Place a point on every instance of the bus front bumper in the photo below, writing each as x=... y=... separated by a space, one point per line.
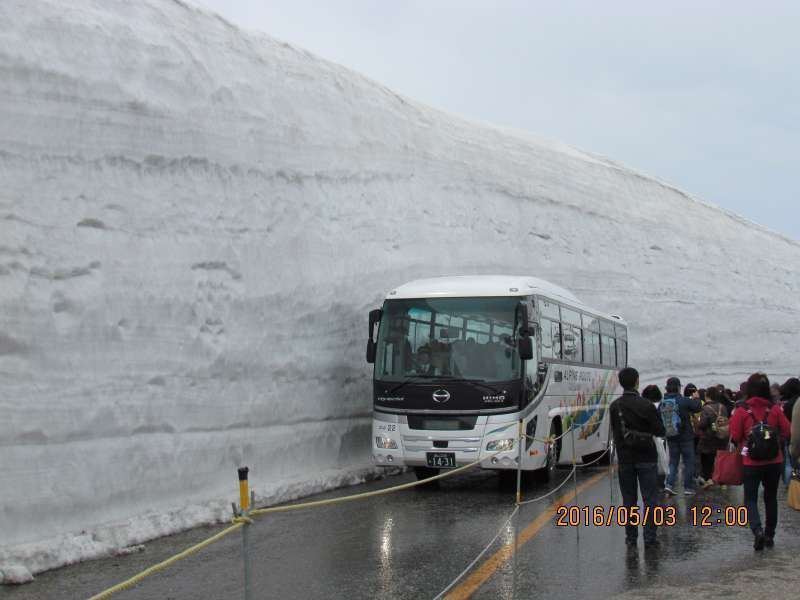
x=420 y=458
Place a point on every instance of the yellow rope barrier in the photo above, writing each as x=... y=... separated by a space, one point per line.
x=164 y=564
x=241 y=521
x=397 y=488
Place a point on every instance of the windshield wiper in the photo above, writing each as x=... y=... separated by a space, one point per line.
x=405 y=382
x=480 y=382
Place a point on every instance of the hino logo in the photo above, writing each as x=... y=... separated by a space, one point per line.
x=441 y=396
x=498 y=398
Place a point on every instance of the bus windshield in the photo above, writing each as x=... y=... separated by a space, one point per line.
x=464 y=338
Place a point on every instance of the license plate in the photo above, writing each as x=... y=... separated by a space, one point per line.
x=441 y=459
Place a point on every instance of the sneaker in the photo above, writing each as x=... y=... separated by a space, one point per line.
x=707 y=484
x=769 y=541
x=689 y=492
x=670 y=491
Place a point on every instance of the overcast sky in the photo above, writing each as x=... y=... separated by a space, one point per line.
x=703 y=95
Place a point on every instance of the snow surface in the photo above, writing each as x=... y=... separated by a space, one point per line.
x=195 y=220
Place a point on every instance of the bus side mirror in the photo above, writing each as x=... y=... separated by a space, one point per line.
x=525 y=347
x=523 y=315
x=525 y=341
x=374 y=318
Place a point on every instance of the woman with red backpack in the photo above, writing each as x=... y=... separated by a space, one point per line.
x=758 y=427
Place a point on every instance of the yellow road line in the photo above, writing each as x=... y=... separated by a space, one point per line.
x=478 y=577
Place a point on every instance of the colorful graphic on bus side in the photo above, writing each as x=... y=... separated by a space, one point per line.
x=589 y=407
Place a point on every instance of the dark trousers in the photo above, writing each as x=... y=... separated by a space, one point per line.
x=680 y=448
x=707 y=464
x=768 y=476
x=645 y=475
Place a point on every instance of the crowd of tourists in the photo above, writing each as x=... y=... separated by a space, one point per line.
x=749 y=437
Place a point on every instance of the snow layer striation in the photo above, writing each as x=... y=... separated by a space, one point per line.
x=195 y=220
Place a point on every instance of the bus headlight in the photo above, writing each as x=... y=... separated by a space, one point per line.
x=500 y=445
x=385 y=443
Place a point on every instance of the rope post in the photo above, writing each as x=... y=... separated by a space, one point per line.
x=611 y=452
x=519 y=460
x=575 y=472
x=244 y=511
x=522 y=442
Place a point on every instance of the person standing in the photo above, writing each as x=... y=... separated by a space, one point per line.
x=775 y=393
x=714 y=434
x=691 y=391
x=634 y=423
x=757 y=428
x=794 y=446
x=741 y=395
x=790 y=391
x=676 y=413
x=726 y=397
x=652 y=393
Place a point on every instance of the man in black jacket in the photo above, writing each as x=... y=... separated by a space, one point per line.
x=634 y=422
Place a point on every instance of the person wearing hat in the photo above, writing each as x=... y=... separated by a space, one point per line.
x=681 y=441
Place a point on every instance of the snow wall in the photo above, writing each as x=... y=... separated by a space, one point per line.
x=195 y=220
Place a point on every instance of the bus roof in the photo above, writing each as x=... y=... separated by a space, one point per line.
x=468 y=286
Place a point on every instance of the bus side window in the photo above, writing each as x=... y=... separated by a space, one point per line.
x=549 y=310
x=556 y=330
x=622 y=353
x=591 y=347
x=551 y=339
x=609 y=351
x=622 y=345
x=573 y=345
x=591 y=339
x=571 y=334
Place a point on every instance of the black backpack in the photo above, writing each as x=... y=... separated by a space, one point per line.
x=763 y=442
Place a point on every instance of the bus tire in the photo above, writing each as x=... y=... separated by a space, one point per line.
x=425 y=472
x=545 y=474
x=606 y=460
x=602 y=458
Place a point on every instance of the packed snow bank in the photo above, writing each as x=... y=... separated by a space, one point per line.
x=194 y=222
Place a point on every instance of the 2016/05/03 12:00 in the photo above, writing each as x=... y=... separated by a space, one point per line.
x=661 y=516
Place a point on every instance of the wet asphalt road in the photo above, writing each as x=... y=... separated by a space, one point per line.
x=413 y=544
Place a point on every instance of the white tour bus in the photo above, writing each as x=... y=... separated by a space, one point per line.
x=460 y=360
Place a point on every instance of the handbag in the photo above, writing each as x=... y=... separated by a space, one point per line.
x=793 y=495
x=728 y=467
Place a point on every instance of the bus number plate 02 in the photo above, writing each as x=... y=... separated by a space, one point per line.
x=441 y=459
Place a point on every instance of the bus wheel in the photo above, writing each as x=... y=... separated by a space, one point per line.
x=606 y=460
x=545 y=474
x=599 y=459
x=425 y=472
